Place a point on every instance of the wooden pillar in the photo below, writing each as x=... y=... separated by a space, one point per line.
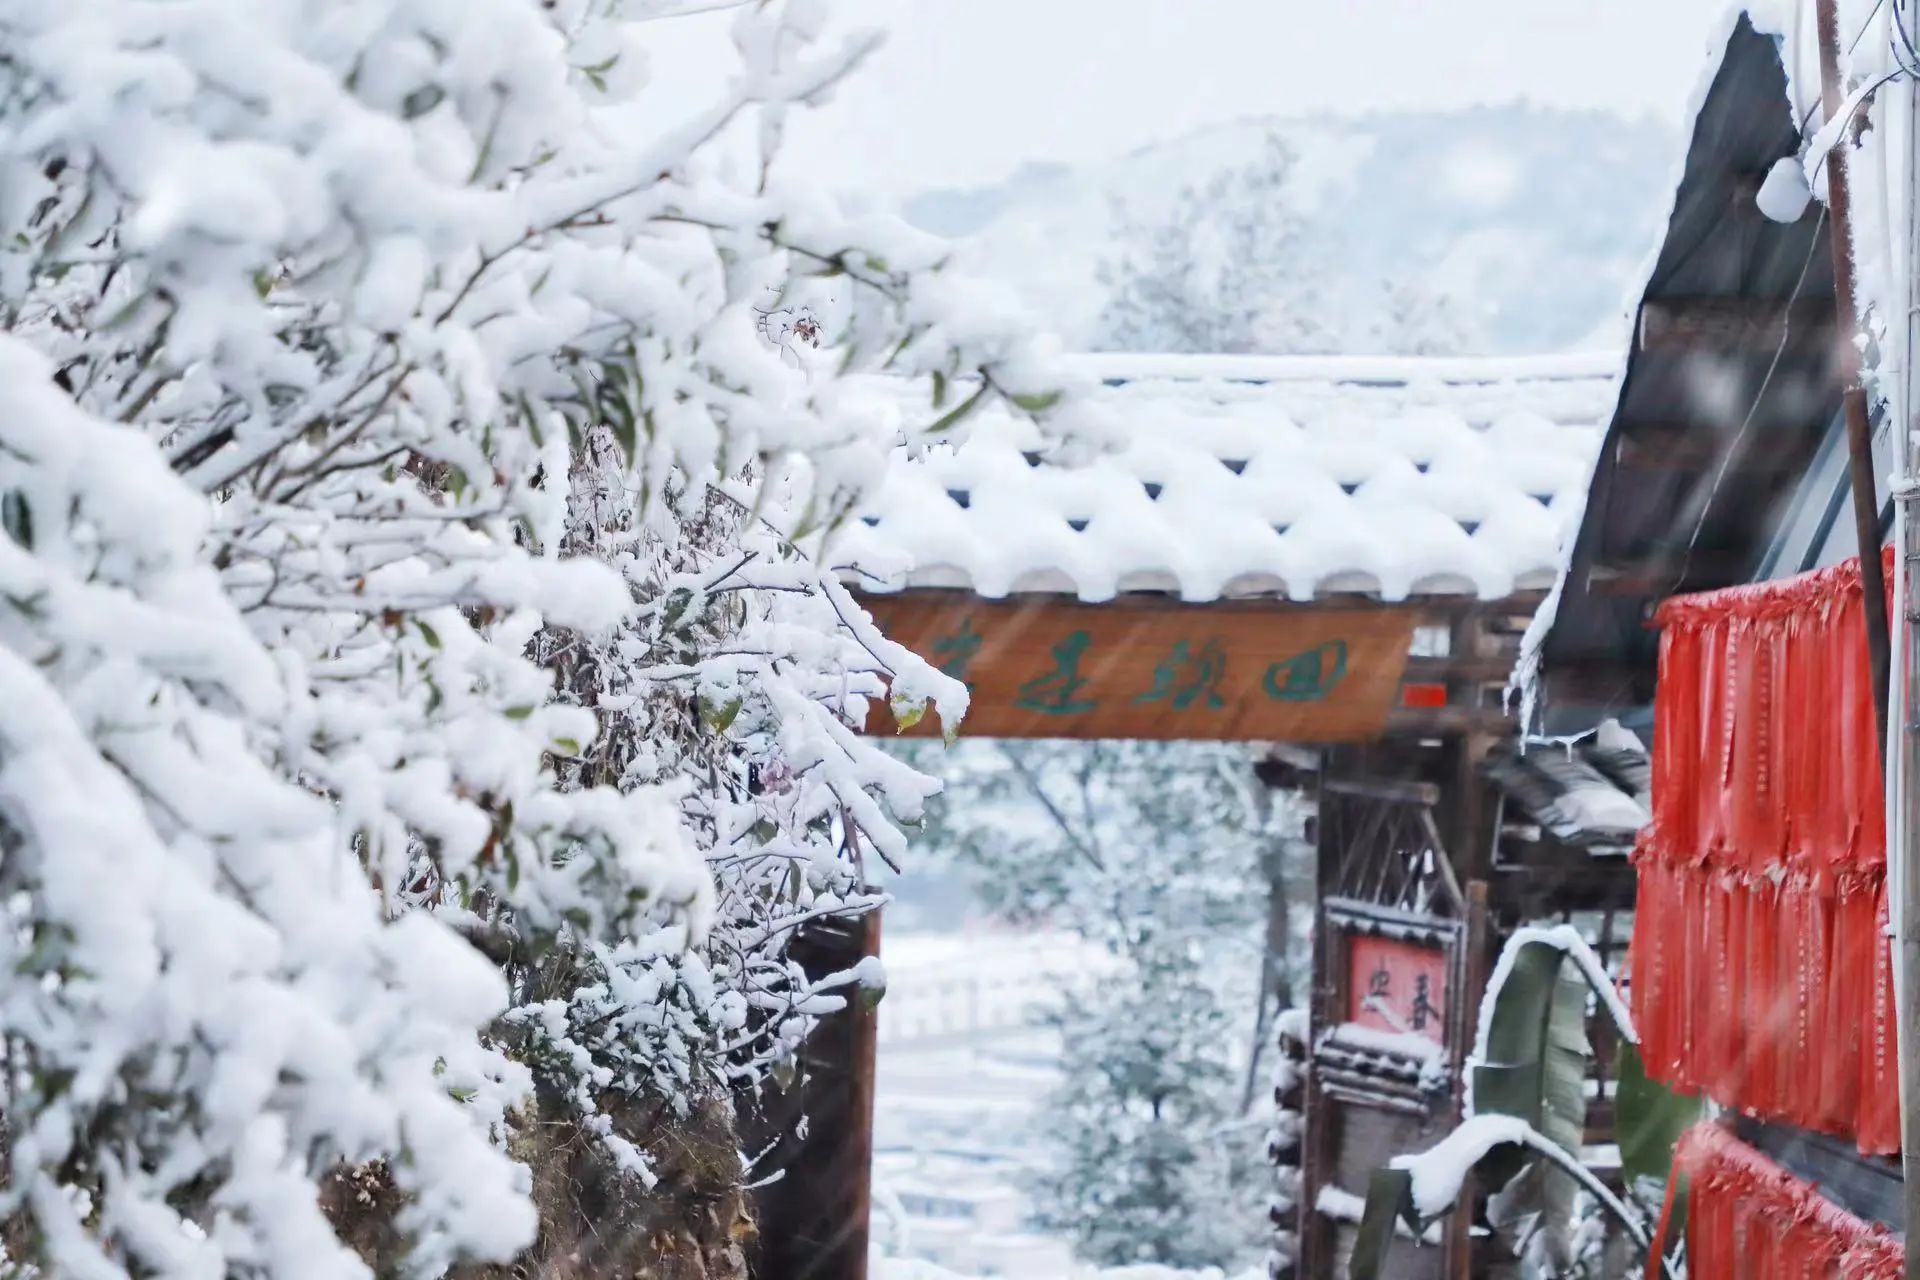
x=814 y=1217
x=1316 y=1155
x=1475 y=968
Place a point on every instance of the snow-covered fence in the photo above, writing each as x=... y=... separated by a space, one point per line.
x=961 y=986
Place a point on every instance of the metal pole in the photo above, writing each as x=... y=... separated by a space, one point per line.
x=1900 y=759
x=1866 y=505
x=1904 y=752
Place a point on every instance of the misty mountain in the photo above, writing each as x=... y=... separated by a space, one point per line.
x=1530 y=223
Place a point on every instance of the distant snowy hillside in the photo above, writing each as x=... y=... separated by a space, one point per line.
x=1529 y=222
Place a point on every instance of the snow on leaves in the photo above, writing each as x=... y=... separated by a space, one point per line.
x=414 y=543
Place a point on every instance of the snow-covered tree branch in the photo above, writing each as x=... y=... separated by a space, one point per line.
x=427 y=681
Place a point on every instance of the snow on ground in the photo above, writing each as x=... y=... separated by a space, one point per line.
x=961 y=1072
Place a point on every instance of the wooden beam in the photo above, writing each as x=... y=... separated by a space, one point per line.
x=1662 y=574
x=1660 y=449
x=1326 y=1002
x=1760 y=325
x=1422 y=670
x=1389 y=790
x=1442 y=721
x=1866 y=1186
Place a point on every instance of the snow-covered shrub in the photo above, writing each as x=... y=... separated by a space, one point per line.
x=199 y=995
x=413 y=533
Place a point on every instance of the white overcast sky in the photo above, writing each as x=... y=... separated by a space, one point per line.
x=967 y=90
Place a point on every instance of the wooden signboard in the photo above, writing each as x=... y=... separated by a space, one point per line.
x=1047 y=668
x=1398 y=986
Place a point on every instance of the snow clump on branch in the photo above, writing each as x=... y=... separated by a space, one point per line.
x=427 y=674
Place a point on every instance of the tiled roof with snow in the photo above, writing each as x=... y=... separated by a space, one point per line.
x=1296 y=477
x=1595 y=793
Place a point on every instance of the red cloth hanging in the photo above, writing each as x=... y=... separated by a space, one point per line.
x=1749 y=1219
x=1877 y=1123
x=1761 y=970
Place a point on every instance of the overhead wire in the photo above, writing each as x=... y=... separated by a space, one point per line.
x=1801 y=129
x=1908 y=66
x=1753 y=410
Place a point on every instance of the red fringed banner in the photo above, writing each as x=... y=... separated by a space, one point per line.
x=1761 y=973
x=1748 y=1218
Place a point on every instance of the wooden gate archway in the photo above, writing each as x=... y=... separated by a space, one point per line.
x=1338 y=554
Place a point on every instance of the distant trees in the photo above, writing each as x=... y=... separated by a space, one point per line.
x=1221 y=271
x=1228 y=269
x=1159 y=852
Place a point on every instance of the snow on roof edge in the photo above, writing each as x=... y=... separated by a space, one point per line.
x=1523 y=686
x=1231 y=477
x=1130 y=366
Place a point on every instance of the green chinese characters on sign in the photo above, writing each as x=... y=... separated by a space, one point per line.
x=1054 y=694
x=1185 y=677
x=1309 y=676
x=954 y=653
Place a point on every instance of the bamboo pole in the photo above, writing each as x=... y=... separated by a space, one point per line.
x=1866 y=504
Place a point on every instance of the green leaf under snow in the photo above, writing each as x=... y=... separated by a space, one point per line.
x=16 y=513
x=1389 y=1199
x=720 y=719
x=952 y=417
x=422 y=100
x=1037 y=402
x=677 y=601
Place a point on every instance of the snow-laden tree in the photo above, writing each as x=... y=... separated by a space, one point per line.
x=1231 y=267
x=1148 y=1160
x=1161 y=853
x=200 y=996
x=1222 y=271
x=417 y=540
